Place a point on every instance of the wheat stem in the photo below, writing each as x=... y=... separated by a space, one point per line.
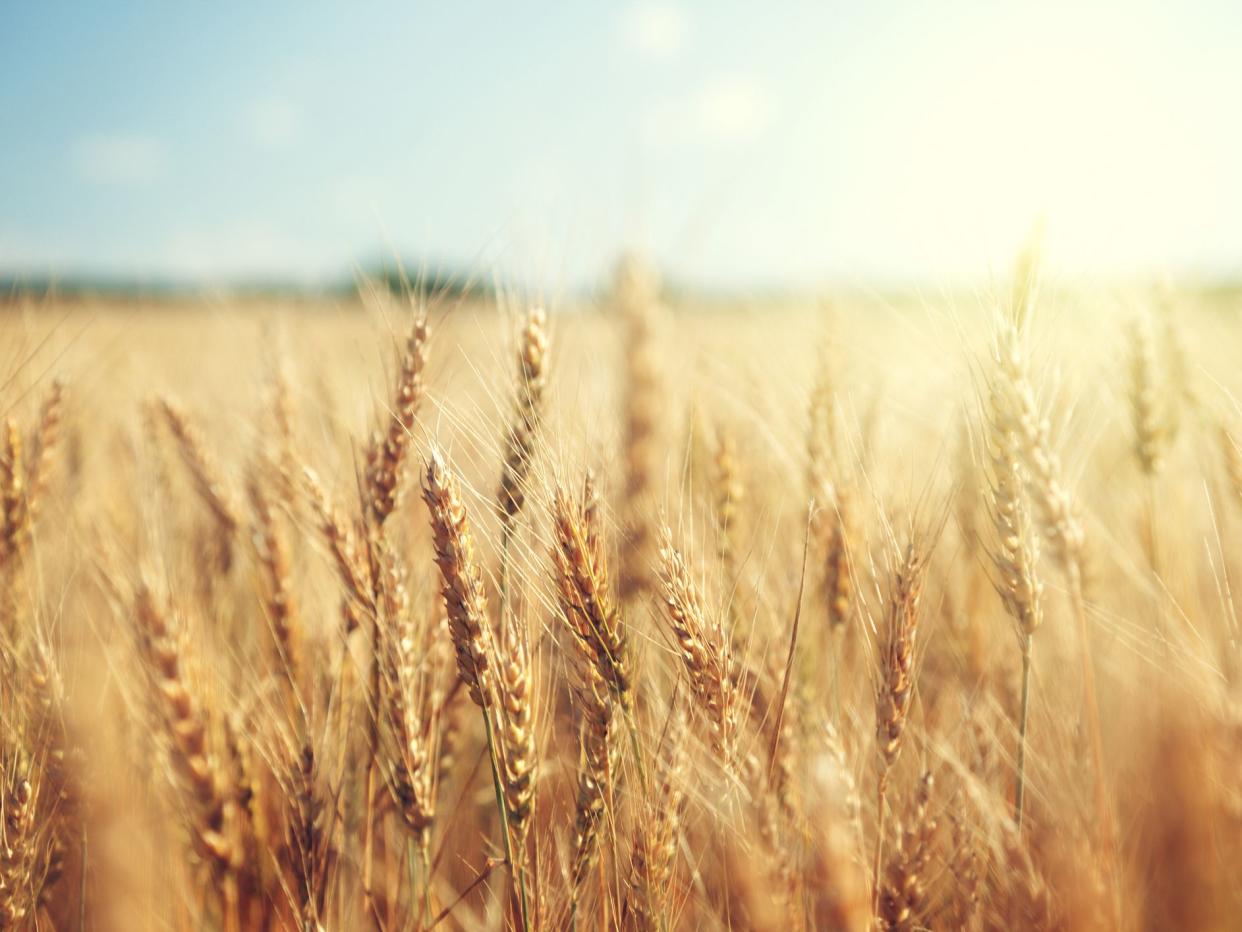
x=1020 y=788
x=881 y=793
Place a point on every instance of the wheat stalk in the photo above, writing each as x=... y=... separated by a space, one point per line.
x=464 y=598
x=895 y=689
x=597 y=761
x=527 y=413
x=272 y=553
x=635 y=293
x=43 y=443
x=705 y=648
x=204 y=472
x=214 y=812
x=387 y=453
x=581 y=576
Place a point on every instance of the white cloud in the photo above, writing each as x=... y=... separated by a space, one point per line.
x=655 y=28
x=119 y=158
x=272 y=122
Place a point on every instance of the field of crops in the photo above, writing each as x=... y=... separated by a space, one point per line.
x=908 y=613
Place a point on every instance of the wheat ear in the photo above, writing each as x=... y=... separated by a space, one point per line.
x=704 y=646
x=895 y=689
x=527 y=414
x=1014 y=557
x=388 y=451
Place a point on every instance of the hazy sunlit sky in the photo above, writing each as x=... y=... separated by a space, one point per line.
x=742 y=144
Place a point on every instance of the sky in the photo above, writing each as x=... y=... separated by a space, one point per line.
x=741 y=145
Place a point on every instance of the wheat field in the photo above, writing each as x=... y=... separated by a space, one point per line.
x=413 y=613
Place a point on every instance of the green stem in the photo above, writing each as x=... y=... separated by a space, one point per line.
x=504 y=815
x=636 y=744
x=521 y=873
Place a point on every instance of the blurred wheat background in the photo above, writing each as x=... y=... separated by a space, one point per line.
x=779 y=642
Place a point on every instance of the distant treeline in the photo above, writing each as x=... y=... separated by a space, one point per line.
x=439 y=282
x=442 y=283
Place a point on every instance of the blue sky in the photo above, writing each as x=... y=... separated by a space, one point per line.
x=742 y=144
